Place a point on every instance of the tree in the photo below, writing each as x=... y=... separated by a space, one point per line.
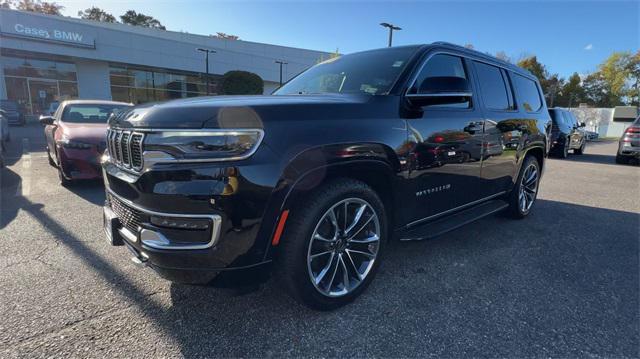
x=131 y=17
x=595 y=89
x=96 y=14
x=572 y=92
x=501 y=55
x=224 y=36
x=536 y=68
x=634 y=72
x=551 y=84
x=242 y=83
x=615 y=74
x=43 y=7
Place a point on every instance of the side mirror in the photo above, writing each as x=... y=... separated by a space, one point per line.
x=46 y=120
x=440 y=91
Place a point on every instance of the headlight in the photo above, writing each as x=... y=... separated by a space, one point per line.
x=203 y=145
x=68 y=143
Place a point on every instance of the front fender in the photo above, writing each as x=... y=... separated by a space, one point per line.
x=371 y=163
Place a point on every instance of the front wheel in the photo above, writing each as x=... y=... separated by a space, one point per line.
x=525 y=192
x=332 y=244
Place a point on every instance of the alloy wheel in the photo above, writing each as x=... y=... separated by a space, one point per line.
x=528 y=188
x=343 y=247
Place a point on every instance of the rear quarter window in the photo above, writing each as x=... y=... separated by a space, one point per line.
x=527 y=93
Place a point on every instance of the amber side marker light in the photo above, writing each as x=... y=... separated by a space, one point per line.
x=280 y=227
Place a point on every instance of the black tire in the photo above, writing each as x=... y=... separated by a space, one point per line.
x=579 y=151
x=564 y=152
x=622 y=160
x=515 y=209
x=63 y=180
x=51 y=163
x=292 y=266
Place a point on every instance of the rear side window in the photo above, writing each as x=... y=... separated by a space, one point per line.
x=527 y=93
x=493 y=86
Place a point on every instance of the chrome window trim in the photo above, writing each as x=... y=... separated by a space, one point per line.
x=216 y=221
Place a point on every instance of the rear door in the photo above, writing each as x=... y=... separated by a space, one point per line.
x=447 y=155
x=503 y=130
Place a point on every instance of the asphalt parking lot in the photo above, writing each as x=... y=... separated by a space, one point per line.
x=562 y=283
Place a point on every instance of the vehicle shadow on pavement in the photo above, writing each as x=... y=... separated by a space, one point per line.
x=90 y=190
x=593 y=158
x=496 y=287
x=487 y=279
x=9 y=183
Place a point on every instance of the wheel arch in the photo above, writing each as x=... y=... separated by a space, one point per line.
x=371 y=164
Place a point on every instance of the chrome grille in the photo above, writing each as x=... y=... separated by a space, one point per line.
x=129 y=217
x=125 y=148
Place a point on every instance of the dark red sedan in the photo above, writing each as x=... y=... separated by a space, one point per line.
x=75 y=137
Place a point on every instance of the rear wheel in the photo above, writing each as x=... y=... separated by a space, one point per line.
x=525 y=192
x=564 y=153
x=332 y=244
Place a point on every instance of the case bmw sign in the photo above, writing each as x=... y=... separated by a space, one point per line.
x=43 y=33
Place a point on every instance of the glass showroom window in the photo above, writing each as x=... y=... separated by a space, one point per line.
x=139 y=85
x=36 y=84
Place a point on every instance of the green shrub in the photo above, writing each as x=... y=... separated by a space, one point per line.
x=242 y=83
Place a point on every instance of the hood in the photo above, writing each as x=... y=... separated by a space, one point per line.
x=87 y=132
x=232 y=111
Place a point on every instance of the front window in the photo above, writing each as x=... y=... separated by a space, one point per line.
x=89 y=113
x=371 y=72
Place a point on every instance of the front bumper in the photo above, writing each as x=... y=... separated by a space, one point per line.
x=232 y=197
x=80 y=164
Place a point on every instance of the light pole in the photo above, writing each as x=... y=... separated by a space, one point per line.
x=391 y=28
x=281 y=63
x=207 y=52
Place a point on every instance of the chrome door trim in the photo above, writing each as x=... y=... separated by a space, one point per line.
x=454 y=209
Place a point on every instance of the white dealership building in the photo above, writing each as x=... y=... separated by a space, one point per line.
x=47 y=58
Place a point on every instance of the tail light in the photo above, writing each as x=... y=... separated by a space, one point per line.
x=631 y=132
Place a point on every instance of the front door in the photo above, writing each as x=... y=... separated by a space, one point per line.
x=42 y=93
x=446 y=162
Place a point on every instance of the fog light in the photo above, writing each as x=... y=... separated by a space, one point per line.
x=180 y=223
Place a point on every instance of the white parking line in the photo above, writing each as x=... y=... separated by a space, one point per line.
x=24 y=188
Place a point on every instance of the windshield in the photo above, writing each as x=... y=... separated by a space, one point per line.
x=89 y=113
x=370 y=72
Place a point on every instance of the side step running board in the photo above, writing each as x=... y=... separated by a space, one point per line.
x=451 y=222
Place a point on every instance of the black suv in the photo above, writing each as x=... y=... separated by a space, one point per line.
x=566 y=133
x=400 y=143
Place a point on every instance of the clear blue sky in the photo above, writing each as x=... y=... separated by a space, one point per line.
x=566 y=36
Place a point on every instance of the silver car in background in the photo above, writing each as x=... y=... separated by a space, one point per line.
x=629 y=143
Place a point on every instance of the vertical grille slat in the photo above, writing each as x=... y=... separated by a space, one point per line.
x=125 y=148
x=136 y=151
